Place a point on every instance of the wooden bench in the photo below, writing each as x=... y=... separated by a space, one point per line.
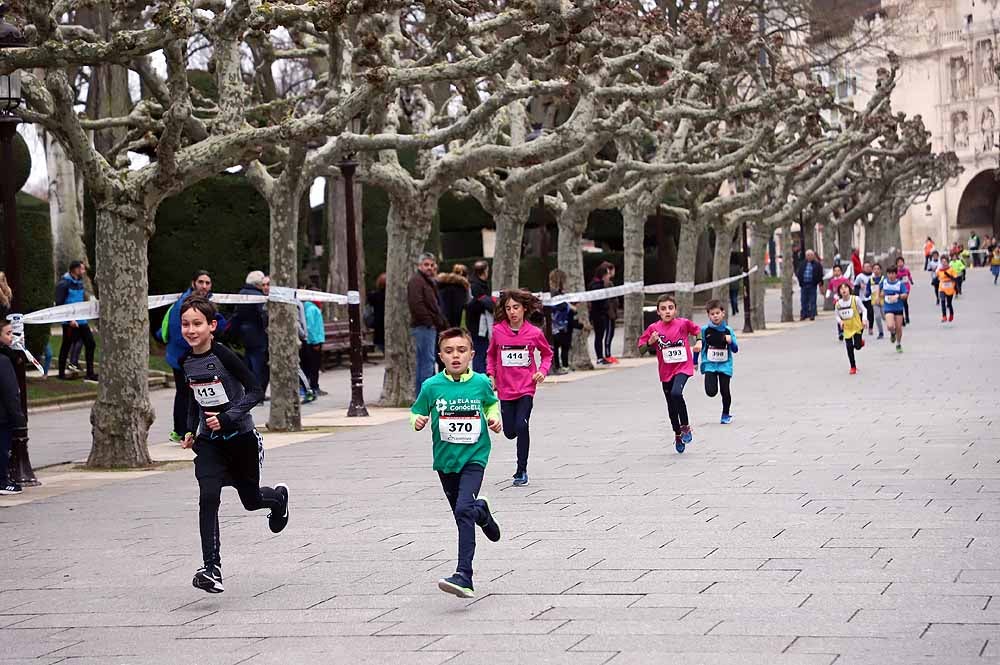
x=338 y=342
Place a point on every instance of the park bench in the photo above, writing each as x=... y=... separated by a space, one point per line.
x=338 y=342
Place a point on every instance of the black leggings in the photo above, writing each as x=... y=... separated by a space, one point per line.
x=233 y=462
x=871 y=314
x=70 y=336
x=516 y=413
x=947 y=304
x=853 y=343
x=609 y=334
x=600 y=329
x=673 y=390
x=561 y=343
x=716 y=382
x=906 y=311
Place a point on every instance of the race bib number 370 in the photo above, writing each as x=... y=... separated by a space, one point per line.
x=462 y=427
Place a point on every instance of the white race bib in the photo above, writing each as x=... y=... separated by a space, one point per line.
x=845 y=314
x=461 y=428
x=673 y=355
x=947 y=286
x=717 y=355
x=210 y=393
x=891 y=299
x=515 y=356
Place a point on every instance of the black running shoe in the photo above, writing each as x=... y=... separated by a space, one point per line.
x=457 y=585
x=490 y=528
x=279 y=521
x=208 y=578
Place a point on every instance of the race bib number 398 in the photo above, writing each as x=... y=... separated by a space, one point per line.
x=717 y=355
x=673 y=355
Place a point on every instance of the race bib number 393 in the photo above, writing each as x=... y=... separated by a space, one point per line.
x=673 y=355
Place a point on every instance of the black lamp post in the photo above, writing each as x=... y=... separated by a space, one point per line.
x=10 y=98
x=357 y=407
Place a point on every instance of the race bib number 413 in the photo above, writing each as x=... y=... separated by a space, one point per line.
x=210 y=393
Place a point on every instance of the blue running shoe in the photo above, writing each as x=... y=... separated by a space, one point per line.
x=686 y=435
x=457 y=585
x=679 y=444
x=521 y=479
x=726 y=419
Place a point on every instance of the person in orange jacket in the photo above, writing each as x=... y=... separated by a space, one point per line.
x=947 y=286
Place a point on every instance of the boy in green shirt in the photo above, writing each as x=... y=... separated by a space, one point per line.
x=456 y=402
x=958 y=265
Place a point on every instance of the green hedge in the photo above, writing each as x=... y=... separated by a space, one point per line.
x=22 y=162
x=34 y=243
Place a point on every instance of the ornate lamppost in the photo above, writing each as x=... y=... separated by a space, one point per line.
x=357 y=407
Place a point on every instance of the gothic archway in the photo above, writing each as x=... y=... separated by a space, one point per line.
x=980 y=204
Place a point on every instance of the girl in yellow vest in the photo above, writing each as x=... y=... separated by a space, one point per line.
x=947 y=280
x=852 y=315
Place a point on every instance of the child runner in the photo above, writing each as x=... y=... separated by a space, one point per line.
x=833 y=289
x=958 y=266
x=904 y=275
x=995 y=264
x=455 y=402
x=511 y=365
x=933 y=264
x=669 y=338
x=947 y=284
x=878 y=298
x=228 y=448
x=719 y=344
x=863 y=289
x=853 y=316
x=11 y=415
x=896 y=291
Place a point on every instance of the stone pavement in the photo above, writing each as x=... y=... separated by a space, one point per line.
x=840 y=519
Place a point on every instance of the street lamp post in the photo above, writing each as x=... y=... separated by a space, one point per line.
x=747 y=325
x=10 y=98
x=357 y=407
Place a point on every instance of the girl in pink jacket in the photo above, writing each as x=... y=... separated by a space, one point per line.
x=512 y=367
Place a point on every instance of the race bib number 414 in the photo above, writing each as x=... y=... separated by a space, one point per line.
x=515 y=356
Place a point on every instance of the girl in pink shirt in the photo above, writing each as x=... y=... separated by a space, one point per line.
x=669 y=338
x=512 y=367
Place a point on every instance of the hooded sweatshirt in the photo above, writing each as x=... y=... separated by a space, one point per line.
x=510 y=359
x=674 y=352
x=70 y=291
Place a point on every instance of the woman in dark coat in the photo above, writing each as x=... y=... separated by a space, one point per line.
x=454 y=293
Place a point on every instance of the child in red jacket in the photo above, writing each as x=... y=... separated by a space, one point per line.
x=514 y=369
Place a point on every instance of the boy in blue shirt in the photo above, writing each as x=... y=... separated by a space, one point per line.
x=894 y=291
x=718 y=346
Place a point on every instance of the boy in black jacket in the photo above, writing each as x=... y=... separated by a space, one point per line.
x=11 y=415
x=220 y=428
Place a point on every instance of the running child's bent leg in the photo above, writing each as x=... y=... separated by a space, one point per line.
x=245 y=457
x=712 y=383
x=677 y=396
x=849 y=343
x=462 y=490
x=516 y=416
x=675 y=423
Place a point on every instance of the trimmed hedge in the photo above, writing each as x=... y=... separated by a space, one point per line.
x=34 y=243
x=22 y=162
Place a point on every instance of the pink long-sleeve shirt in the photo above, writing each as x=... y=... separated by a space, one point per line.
x=510 y=359
x=672 y=360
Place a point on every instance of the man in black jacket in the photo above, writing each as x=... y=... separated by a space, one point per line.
x=479 y=314
x=810 y=276
x=11 y=415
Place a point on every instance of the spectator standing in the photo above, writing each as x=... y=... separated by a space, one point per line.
x=69 y=291
x=928 y=250
x=455 y=294
x=599 y=313
x=810 y=276
x=311 y=351
x=974 y=243
x=613 y=308
x=11 y=415
x=479 y=313
x=250 y=324
x=856 y=264
x=177 y=346
x=375 y=319
x=426 y=319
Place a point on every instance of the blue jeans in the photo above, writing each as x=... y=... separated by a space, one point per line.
x=425 y=339
x=462 y=490
x=808 y=302
x=515 y=414
x=480 y=345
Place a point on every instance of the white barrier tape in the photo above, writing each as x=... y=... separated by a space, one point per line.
x=707 y=286
x=91 y=309
x=353 y=298
x=668 y=287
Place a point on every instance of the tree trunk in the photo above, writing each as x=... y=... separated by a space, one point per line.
x=282 y=332
x=510 y=223
x=758 y=287
x=721 y=261
x=687 y=252
x=634 y=219
x=830 y=251
x=122 y=414
x=409 y=223
x=570 y=257
x=787 y=274
x=65 y=208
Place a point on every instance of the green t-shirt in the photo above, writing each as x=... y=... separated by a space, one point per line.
x=458 y=411
x=958 y=266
